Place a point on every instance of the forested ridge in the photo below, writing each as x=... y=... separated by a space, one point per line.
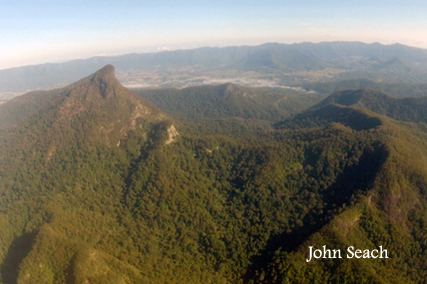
x=99 y=186
x=229 y=101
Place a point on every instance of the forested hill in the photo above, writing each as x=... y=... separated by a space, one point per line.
x=406 y=109
x=94 y=100
x=392 y=213
x=230 y=101
x=98 y=186
x=355 y=108
x=397 y=90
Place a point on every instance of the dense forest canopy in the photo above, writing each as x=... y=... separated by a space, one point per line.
x=209 y=184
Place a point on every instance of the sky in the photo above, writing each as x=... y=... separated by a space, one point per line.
x=39 y=31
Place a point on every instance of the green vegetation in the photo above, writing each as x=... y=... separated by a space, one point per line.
x=229 y=101
x=95 y=189
x=397 y=90
x=406 y=109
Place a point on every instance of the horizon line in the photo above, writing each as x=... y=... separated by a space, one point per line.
x=119 y=54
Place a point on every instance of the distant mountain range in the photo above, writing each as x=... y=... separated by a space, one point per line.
x=269 y=64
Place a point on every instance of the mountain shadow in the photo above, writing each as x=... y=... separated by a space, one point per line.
x=354 y=180
x=18 y=250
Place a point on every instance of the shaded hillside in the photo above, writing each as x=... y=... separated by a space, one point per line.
x=392 y=214
x=406 y=109
x=328 y=114
x=229 y=101
x=354 y=108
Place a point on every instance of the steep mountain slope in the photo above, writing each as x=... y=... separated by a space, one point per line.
x=392 y=213
x=60 y=134
x=98 y=94
x=97 y=186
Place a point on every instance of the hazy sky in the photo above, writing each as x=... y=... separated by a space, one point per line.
x=48 y=31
